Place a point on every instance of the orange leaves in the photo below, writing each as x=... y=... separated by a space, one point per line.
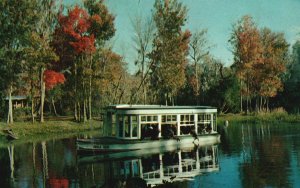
x=260 y=58
x=53 y=78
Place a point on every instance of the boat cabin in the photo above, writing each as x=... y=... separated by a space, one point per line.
x=156 y=121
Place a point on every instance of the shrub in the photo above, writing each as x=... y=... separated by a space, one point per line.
x=21 y=114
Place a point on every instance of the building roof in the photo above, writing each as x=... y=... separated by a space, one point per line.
x=16 y=98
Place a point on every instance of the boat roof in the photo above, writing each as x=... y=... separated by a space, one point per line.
x=158 y=109
x=145 y=107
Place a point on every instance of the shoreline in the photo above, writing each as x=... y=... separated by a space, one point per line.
x=28 y=132
x=259 y=118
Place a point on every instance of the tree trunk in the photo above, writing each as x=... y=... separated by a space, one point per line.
x=32 y=110
x=261 y=103
x=241 y=97
x=268 y=109
x=90 y=92
x=75 y=112
x=32 y=101
x=42 y=95
x=90 y=99
x=53 y=104
x=76 y=117
x=79 y=111
x=84 y=111
x=10 y=119
x=197 y=84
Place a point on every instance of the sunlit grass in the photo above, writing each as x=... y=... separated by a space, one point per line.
x=275 y=116
x=28 y=132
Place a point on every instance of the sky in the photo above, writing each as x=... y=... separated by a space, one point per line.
x=217 y=16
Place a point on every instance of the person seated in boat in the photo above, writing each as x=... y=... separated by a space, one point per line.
x=208 y=128
x=154 y=132
x=144 y=131
x=202 y=129
x=169 y=133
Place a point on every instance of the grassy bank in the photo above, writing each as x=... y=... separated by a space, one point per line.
x=272 y=117
x=28 y=132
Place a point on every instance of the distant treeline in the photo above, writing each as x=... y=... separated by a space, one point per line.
x=61 y=60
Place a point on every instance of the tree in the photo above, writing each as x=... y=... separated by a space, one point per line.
x=38 y=56
x=72 y=31
x=170 y=48
x=245 y=40
x=102 y=27
x=291 y=91
x=269 y=73
x=198 y=50
x=17 y=18
x=260 y=61
x=110 y=77
x=77 y=37
x=143 y=35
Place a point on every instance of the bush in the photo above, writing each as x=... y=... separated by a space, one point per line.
x=21 y=114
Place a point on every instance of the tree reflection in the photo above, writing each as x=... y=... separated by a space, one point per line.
x=268 y=160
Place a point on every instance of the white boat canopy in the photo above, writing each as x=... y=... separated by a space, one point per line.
x=143 y=121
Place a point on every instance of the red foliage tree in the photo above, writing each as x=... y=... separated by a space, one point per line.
x=75 y=26
x=52 y=78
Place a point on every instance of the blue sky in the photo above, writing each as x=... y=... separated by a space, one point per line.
x=217 y=16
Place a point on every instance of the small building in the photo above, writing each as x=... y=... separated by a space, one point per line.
x=18 y=101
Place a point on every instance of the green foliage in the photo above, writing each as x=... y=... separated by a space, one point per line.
x=170 y=49
x=22 y=114
x=291 y=91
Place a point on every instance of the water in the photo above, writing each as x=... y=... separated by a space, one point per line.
x=248 y=156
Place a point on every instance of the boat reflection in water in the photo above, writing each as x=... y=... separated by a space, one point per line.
x=158 y=167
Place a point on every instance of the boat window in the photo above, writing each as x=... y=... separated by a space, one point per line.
x=187 y=119
x=203 y=118
x=143 y=118
x=205 y=123
x=113 y=133
x=149 y=118
x=149 y=130
x=127 y=126
x=168 y=131
x=168 y=118
x=134 y=125
x=186 y=129
x=187 y=124
x=120 y=119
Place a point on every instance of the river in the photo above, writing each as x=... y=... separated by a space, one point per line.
x=262 y=155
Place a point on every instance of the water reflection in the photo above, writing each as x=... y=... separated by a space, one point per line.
x=248 y=156
x=264 y=154
x=44 y=164
x=56 y=164
x=152 y=169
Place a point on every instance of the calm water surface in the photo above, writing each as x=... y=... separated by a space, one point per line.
x=248 y=156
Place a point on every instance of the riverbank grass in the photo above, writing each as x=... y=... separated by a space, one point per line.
x=276 y=116
x=27 y=130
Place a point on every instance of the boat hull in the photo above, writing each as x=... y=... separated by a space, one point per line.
x=105 y=144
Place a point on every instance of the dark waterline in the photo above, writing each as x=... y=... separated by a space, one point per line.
x=248 y=156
